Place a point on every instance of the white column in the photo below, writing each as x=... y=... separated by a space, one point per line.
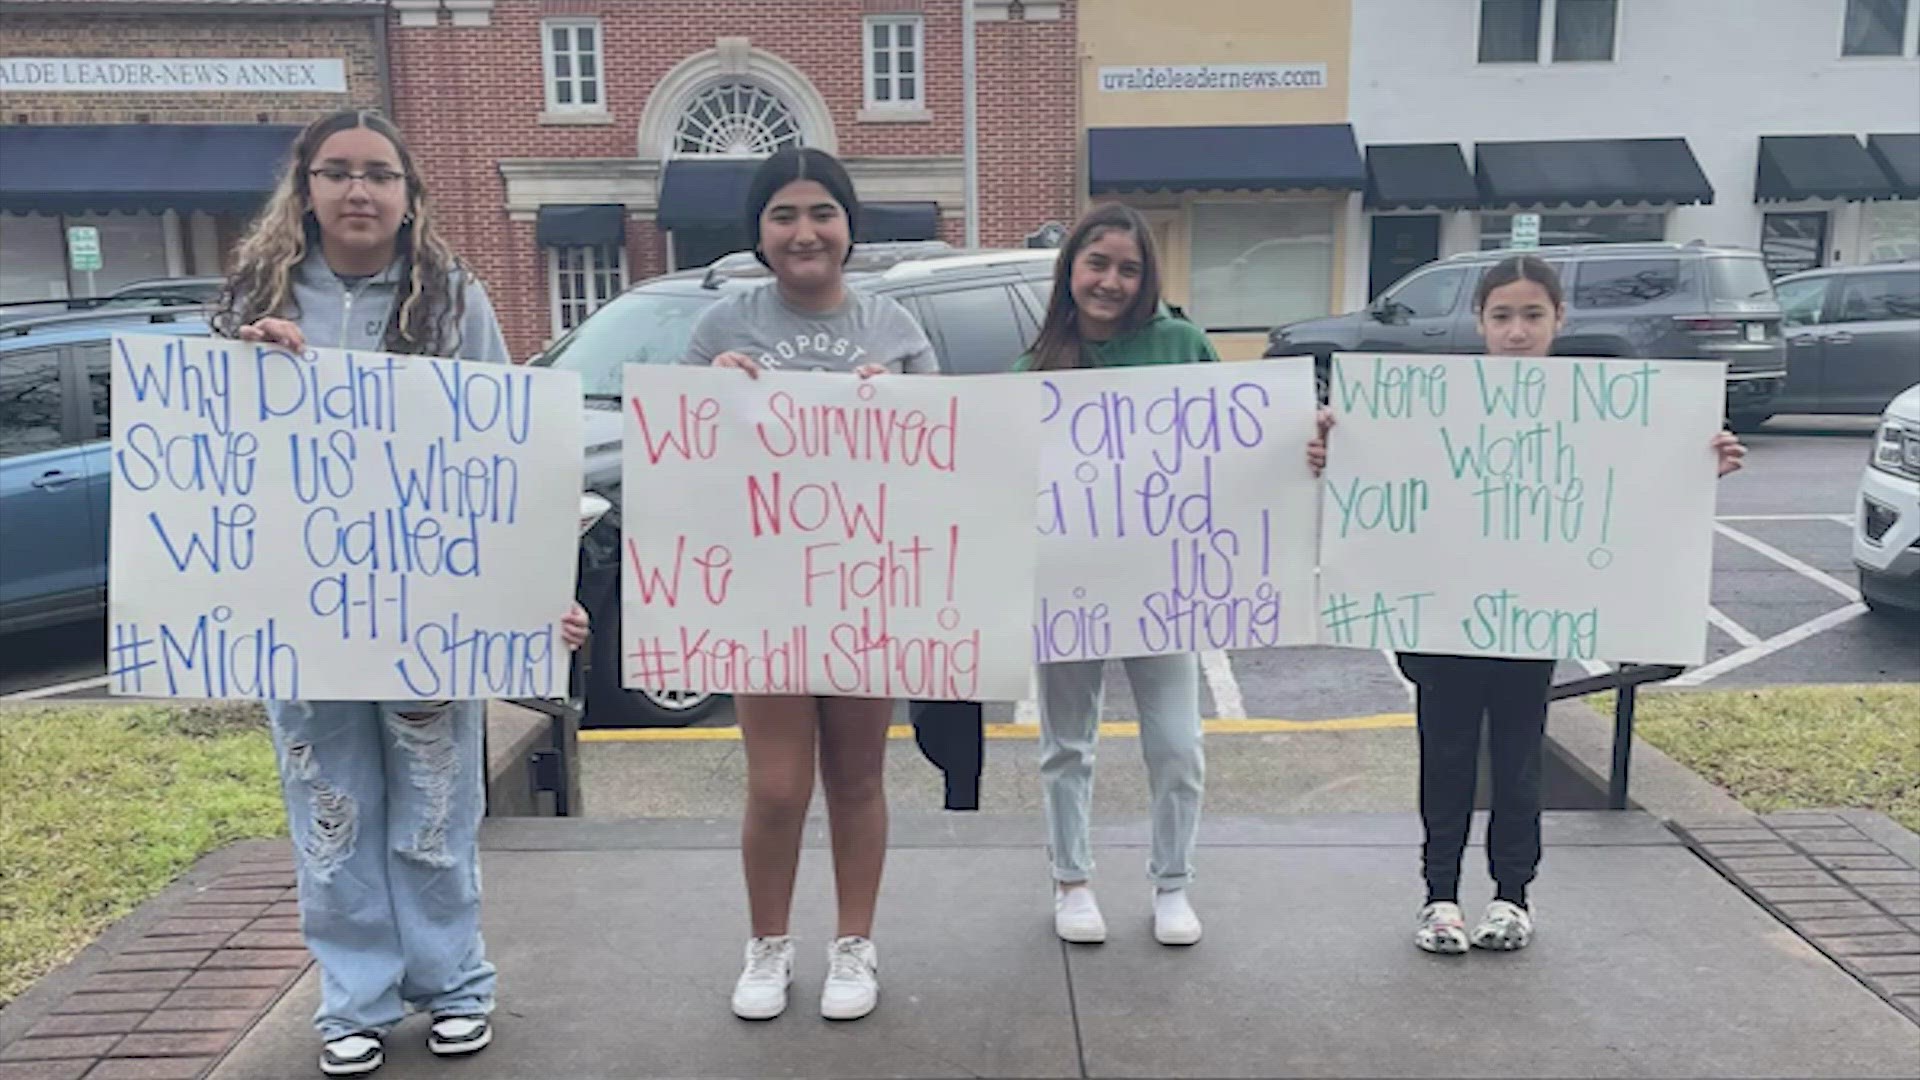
x=172 y=238
x=203 y=242
x=1357 y=227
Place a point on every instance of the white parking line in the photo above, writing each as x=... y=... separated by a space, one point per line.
x=1405 y=683
x=56 y=690
x=1747 y=638
x=1227 y=702
x=1841 y=518
x=1770 y=646
x=1813 y=574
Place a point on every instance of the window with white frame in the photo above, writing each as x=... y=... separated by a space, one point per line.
x=571 y=55
x=1547 y=31
x=581 y=279
x=1879 y=28
x=894 y=70
x=1256 y=265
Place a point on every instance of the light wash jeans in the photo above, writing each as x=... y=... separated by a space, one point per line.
x=1167 y=689
x=384 y=800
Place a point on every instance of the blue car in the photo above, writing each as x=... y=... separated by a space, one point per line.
x=55 y=375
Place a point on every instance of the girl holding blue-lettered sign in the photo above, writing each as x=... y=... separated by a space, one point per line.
x=1520 y=308
x=384 y=798
x=1106 y=311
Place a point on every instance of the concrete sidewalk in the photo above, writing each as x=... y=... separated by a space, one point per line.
x=618 y=943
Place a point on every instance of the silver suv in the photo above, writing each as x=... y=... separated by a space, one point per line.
x=1665 y=301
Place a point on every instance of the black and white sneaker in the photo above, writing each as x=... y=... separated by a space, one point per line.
x=352 y=1055
x=451 y=1036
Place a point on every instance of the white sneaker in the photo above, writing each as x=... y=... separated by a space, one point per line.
x=761 y=993
x=352 y=1055
x=1076 y=916
x=853 y=979
x=1504 y=928
x=1442 y=929
x=1174 y=922
x=451 y=1036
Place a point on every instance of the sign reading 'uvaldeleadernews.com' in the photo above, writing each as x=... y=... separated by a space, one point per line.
x=804 y=533
x=1521 y=507
x=338 y=525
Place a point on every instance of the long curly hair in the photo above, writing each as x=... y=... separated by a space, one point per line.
x=432 y=300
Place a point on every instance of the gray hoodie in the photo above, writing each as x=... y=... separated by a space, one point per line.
x=334 y=315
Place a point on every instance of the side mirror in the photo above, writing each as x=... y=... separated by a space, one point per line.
x=1382 y=310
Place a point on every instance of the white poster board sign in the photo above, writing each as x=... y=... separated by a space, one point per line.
x=1519 y=507
x=338 y=525
x=807 y=533
x=1176 y=510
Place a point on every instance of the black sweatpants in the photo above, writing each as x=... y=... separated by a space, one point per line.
x=1454 y=693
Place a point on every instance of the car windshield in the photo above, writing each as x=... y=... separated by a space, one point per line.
x=1740 y=283
x=634 y=328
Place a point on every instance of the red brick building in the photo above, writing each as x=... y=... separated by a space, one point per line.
x=159 y=126
x=574 y=146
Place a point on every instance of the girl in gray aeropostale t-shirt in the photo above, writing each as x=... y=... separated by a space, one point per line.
x=863 y=330
x=799 y=215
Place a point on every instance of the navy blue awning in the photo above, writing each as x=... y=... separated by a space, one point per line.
x=1269 y=157
x=76 y=169
x=1412 y=176
x=1899 y=156
x=880 y=222
x=1575 y=172
x=595 y=224
x=1818 y=167
x=697 y=194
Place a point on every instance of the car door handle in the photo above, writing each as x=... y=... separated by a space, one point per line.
x=1805 y=342
x=1838 y=339
x=1433 y=331
x=53 y=480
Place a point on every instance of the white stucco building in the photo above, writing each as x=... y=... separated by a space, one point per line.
x=1635 y=120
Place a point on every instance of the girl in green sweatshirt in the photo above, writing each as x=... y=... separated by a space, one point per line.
x=1106 y=312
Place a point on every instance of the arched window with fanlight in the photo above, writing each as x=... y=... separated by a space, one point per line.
x=719 y=137
x=736 y=118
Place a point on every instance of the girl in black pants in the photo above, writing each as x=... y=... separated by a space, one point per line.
x=1520 y=307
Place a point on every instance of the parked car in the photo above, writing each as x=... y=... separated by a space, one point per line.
x=1886 y=527
x=980 y=309
x=181 y=291
x=55 y=466
x=1853 y=337
x=149 y=292
x=1665 y=301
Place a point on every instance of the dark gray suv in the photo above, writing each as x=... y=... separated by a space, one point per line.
x=1666 y=301
x=1853 y=337
x=980 y=309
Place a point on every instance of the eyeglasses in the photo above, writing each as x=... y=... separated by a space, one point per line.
x=375 y=179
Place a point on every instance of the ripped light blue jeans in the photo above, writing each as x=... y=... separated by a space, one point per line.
x=384 y=800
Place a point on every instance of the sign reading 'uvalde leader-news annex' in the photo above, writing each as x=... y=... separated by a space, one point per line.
x=70 y=74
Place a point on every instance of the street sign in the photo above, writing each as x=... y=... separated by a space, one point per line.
x=1526 y=232
x=83 y=248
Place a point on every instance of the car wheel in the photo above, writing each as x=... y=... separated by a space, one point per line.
x=1747 y=422
x=611 y=705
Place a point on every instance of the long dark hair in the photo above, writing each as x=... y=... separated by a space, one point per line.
x=1058 y=345
x=799 y=163
x=431 y=303
x=1520 y=268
